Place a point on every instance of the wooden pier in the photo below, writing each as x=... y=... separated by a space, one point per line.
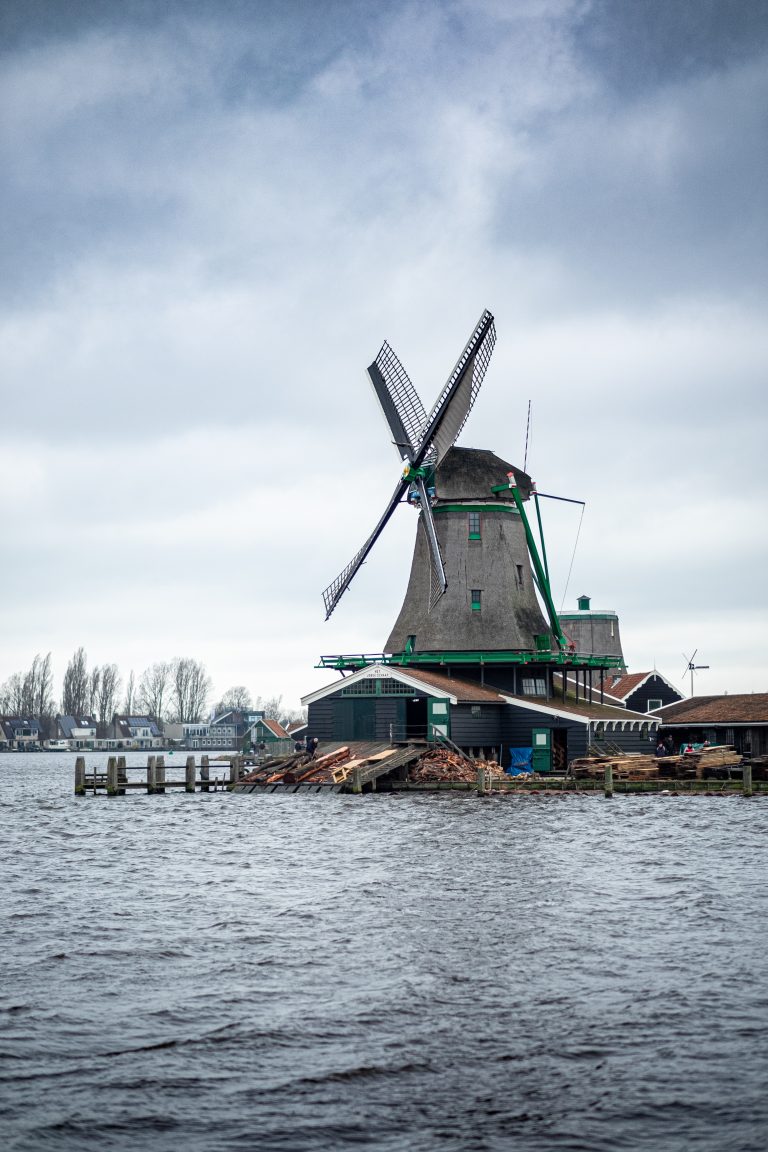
x=216 y=775
x=152 y=777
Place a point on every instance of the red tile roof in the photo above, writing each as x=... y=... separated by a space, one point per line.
x=624 y=685
x=276 y=728
x=752 y=708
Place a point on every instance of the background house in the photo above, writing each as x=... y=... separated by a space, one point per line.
x=642 y=691
x=270 y=733
x=135 y=732
x=78 y=731
x=22 y=733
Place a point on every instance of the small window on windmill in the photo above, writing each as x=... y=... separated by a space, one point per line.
x=474 y=525
x=476 y=710
x=519 y=575
x=476 y=597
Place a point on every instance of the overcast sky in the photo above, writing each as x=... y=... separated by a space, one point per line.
x=214 y=211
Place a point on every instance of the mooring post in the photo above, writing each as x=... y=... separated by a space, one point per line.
x=190 y=774
x=80 y=776
x=160 y=774
x=357 y=786
x=122 y=775
x=609 y=779
x=234 y=770
x=151 y=775
x=746 y=786
x=480 y=779
x=205 y=774
x=112 y=776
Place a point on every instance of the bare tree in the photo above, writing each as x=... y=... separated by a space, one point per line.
x=94 y=682
x=293 y=716
x=274 y=709
x=237 y=699
x=105 y=699
x=130 y=692
x=271 y=706
x=44 y=705
x=190 y=685
x=76 y=688
x=154 y=689
x=12 y=695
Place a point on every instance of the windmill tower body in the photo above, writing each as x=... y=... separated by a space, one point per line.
x=489 y=601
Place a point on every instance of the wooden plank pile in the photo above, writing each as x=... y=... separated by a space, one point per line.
x=638 y=766
x=716 y=756
x=631 y=766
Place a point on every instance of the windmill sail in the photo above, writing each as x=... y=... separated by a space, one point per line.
x=338 y=587
x=438 y=581
x=400 y=402
x=454 y=403
x=421 y=440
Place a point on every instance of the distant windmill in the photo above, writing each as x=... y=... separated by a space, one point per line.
x=692 y=667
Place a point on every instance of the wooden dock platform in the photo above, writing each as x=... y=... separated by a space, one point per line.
x=152 y=777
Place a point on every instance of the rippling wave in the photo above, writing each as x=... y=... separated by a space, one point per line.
x=219 y=971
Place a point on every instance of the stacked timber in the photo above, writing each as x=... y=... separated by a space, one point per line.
x=638 y=766
x=716 y=756
x=632 y=766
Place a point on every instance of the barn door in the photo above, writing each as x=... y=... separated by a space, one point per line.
x=542 y=749
x=438 y=717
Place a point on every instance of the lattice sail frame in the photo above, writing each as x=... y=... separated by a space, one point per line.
x=403 y=410
x=479 y=348
x=393 y=386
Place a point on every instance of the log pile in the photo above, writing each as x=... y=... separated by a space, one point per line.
x=441 y=765
x=317 y=770
x=278 y=764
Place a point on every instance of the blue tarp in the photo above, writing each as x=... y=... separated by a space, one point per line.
x=521 y=760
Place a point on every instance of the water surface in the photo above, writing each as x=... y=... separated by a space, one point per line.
x=387 y=972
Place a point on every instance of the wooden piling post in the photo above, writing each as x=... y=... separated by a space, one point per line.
x=151 y=775
x=112 y=776
x=122 y=776
x=160 y=774
x=80 y=776
x=357 y=786
x=234 y=769
x=480 y=779
x=746 y=785
x=190 y=774
x=205 y=774
x=609 y=779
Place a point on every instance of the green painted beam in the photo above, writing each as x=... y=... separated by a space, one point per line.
x=405 y=659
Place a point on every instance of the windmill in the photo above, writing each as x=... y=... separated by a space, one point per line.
x=692 y=667
x=470 y=586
